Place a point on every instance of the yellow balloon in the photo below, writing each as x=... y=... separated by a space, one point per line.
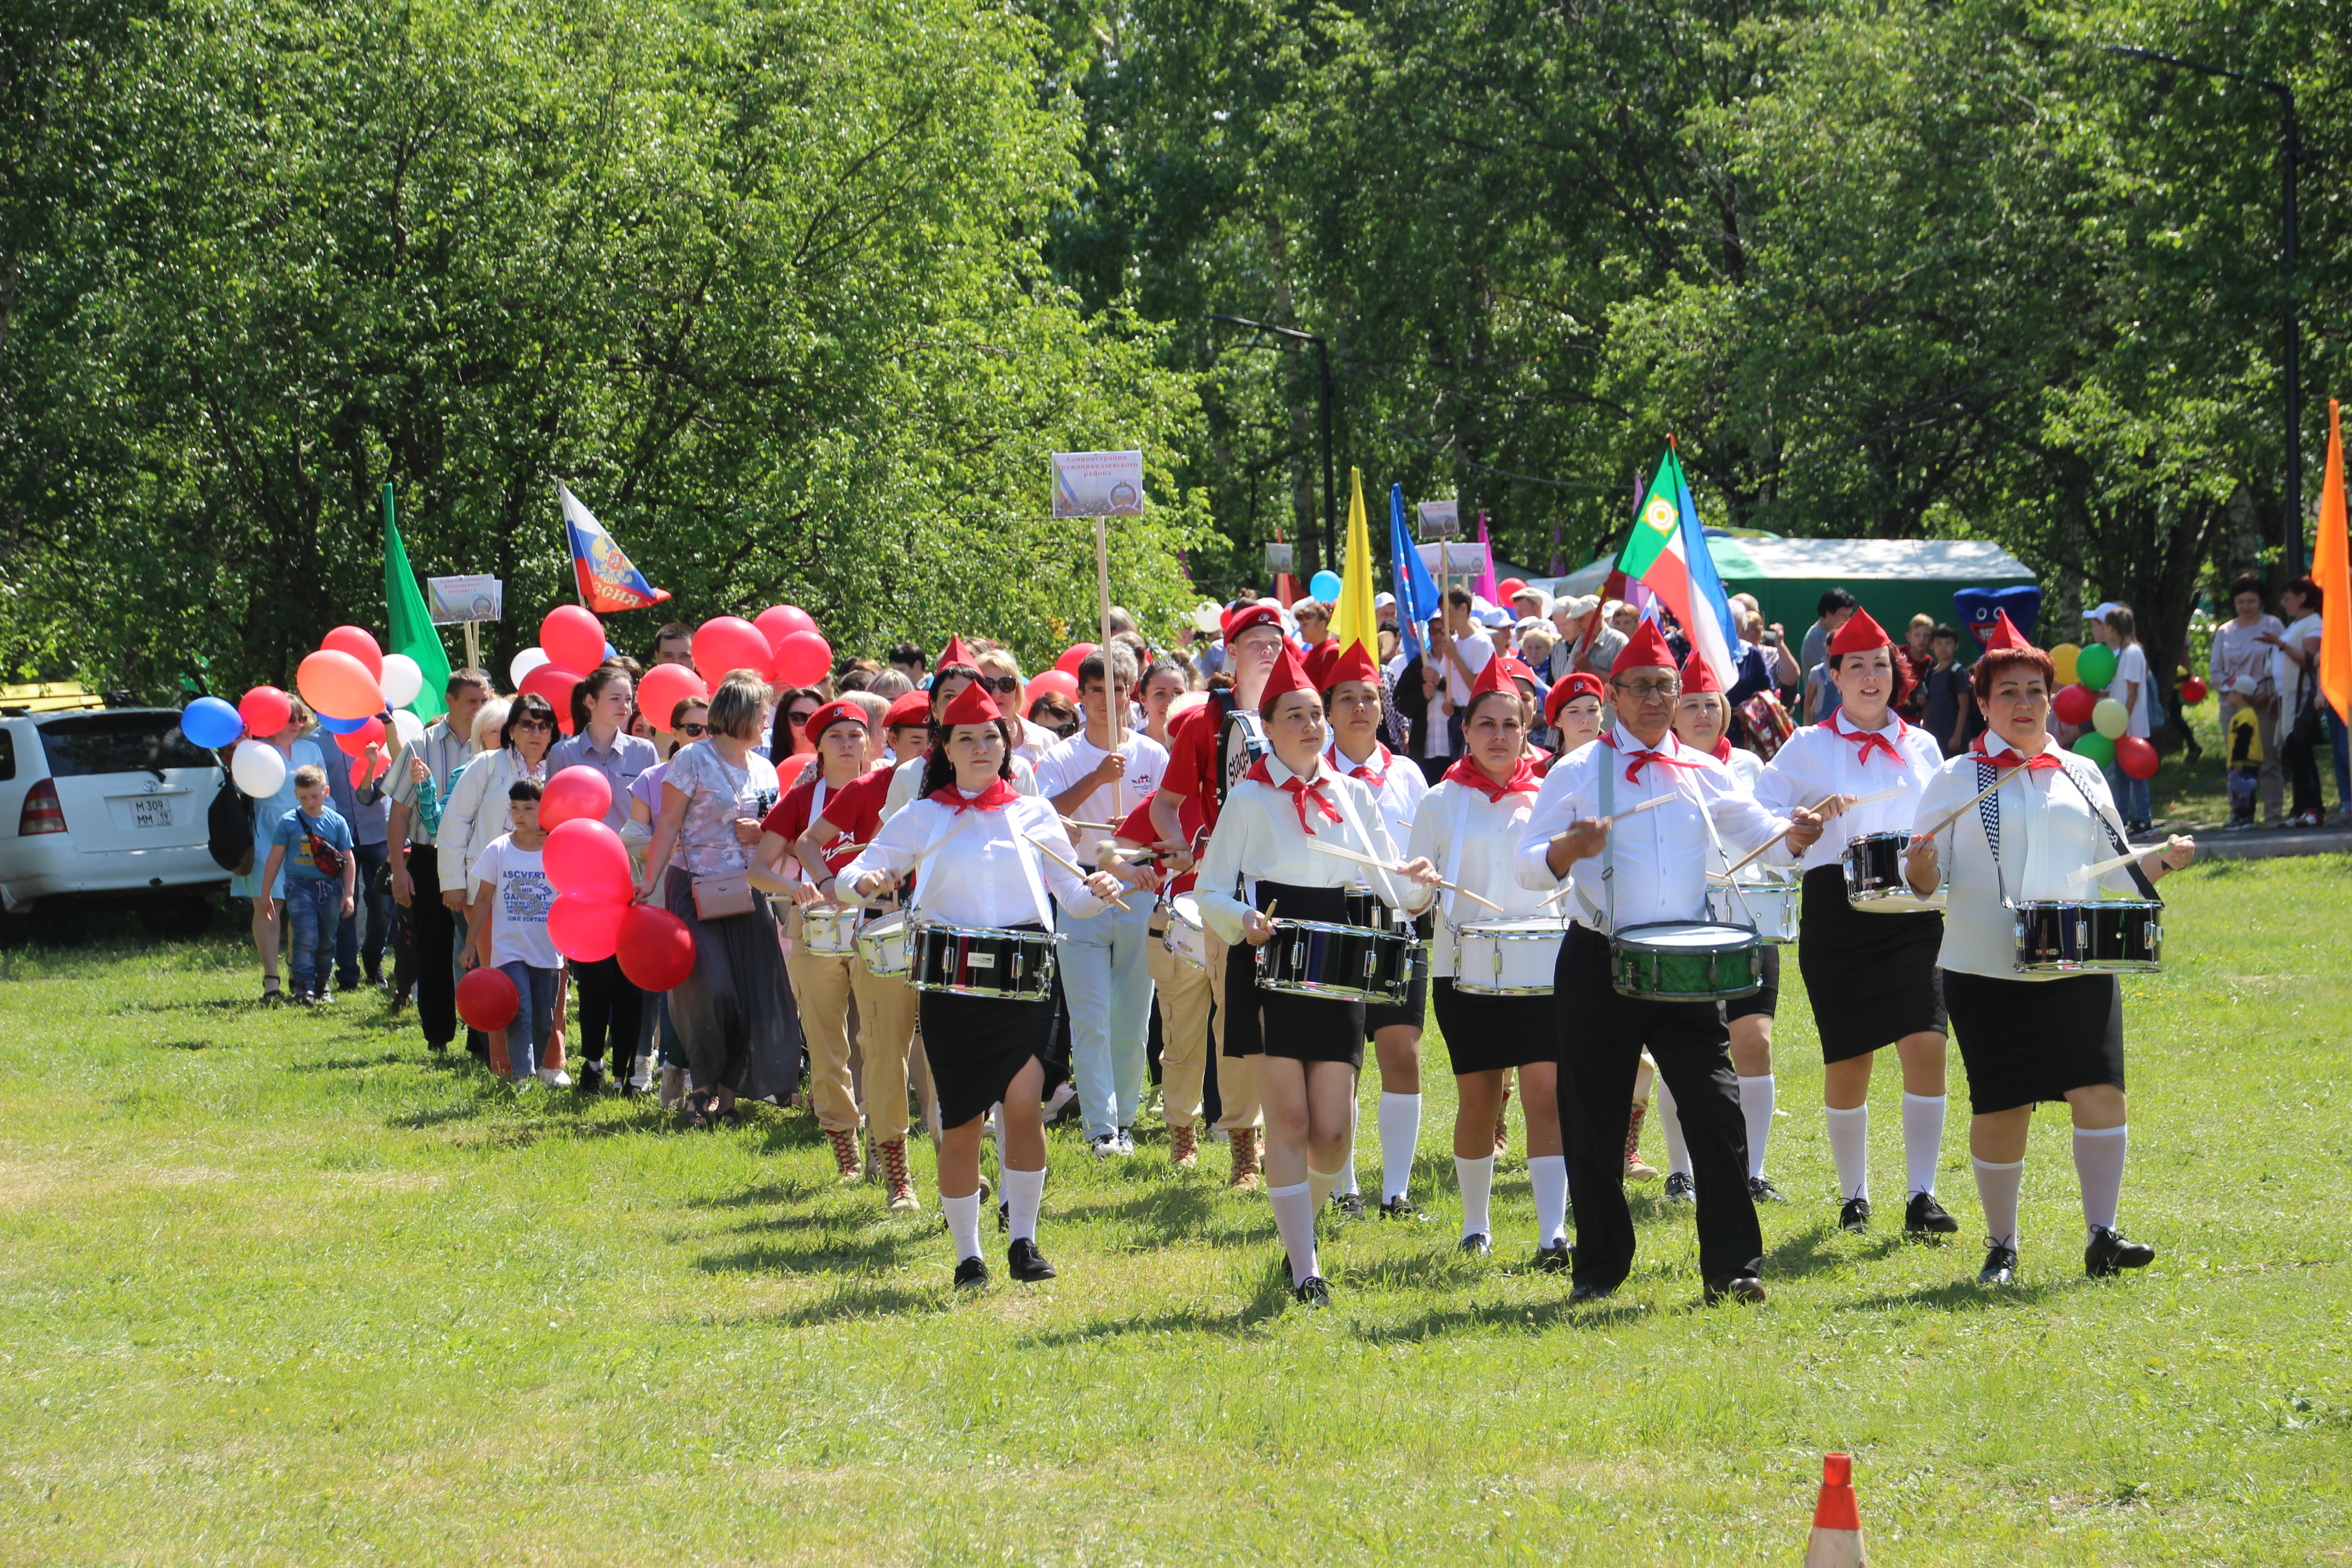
x=2110 y=718
x=2063 y=656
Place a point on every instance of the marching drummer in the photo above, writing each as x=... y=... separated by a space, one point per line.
x=977 y=842
x=1350 y=684
x=1469 y=825
x=2030 y=1034
x=1625 y=871
x=1870 y=975
x=1180 y=989
x=1260 y=861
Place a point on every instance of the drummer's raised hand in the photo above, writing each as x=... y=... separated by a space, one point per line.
x=1922 y=864
x=1257 y=930
x=1804 y=828
x=2176 y=852
x=875 y=883
x=1421 y=871
x=1582 y=841
x=1834 y=807
x=1104 y=886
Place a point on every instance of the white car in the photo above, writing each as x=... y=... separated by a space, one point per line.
x=107 y=804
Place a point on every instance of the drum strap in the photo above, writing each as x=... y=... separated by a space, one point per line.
x=2123 y=847
x=1990 y=814
x=1608 y=852
x=1372 y=845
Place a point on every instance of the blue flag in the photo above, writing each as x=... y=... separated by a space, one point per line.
x=1416 y=592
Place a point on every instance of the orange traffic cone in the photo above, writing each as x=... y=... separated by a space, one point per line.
x=1836 y=1540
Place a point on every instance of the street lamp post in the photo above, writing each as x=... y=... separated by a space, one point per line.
x=1323 y=380
x=2290 y=149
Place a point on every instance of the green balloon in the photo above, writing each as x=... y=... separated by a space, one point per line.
x=2095 y=747
x=2096 y=666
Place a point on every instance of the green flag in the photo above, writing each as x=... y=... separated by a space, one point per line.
x=410 y=626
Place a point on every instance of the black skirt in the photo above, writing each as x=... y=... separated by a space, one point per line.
x=978 y=1045
x=1413 y=1010
x=1487 y=1034
x=1765 y=1001
x=2025 y=1041
x=1277 y=1023
x=1871 y=978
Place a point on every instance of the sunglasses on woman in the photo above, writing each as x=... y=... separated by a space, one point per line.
x=800 y=719
x=1002 y=685
x=693 y=732
x=534 y=725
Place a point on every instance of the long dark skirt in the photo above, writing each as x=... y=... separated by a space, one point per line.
x=734 y=1015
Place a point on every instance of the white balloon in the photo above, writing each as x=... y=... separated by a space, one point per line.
x=401 y=680
x=2110 y=718
x=526 y=661
x=258 y=768
x=408 y=726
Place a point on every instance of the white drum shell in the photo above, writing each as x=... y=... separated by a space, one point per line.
x=1507 y=958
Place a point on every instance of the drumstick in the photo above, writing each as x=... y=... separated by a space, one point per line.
x=1734 y=869
x=1096 y=827
x=1072 y=866
x=1998 y=778
x=2104 y=867
x=1383 y=865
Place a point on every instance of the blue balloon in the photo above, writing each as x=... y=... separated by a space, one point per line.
x=1324 y=585
x=342 y=726
x=210 y=722
x=611 y=652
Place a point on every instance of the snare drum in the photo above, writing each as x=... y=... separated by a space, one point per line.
x=1874 y=880
x=2117 y=935
x=882 y=943
x=1184 y=936
x=1507 y=958
x=1343 y=963
x=1770 y=903
x=828 y=930
x=980 y=960
x=1680 y=960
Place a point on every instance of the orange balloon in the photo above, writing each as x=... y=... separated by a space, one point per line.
x=337 y=685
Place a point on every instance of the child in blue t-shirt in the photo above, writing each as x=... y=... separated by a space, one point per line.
x=315 y=845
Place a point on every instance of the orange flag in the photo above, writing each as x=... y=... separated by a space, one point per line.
x=2331 y=569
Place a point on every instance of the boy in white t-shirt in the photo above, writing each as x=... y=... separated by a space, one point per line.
x=507 y=919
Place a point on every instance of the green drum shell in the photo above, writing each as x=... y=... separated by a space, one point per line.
x=1724 y=972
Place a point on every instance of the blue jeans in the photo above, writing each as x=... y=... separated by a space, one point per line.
x=2340 y=738
x=314 y=906
x=534 y=1021
x=2132 y=796
x=1107 y=983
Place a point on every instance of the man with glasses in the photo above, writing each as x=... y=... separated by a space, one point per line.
x=1654 y=873
x=411 y=835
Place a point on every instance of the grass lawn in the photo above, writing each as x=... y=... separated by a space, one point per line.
x=276 y=1287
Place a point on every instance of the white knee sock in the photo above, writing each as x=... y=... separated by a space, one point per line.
x=963 y=1223
x=1923 y=1138
x=1547 y=1174
x=1477 y=1179
x=1320 y=1185
x=2099 y=1167
x=1677 y=1151
x=1756 y=1105
x=1997 y=1188
x=1400 y=1136
x=1850 y=1146
x=1294 y=1218
x=1024 y=1191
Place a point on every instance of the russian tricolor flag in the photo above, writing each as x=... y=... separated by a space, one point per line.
x=609 y=580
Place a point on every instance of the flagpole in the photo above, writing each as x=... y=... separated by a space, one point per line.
x=1112 y=704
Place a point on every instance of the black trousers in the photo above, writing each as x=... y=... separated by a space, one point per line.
x=435 y=936
x=607 y=1002
x=1602 y=1036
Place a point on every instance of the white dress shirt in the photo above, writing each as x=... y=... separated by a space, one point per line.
x=2048 y=832
x=987 y=871
x=1069 y=762
x=1396 y=786
x=1822 y=759
x=1662 y=857
x=1475 y=842
x=1258 y=838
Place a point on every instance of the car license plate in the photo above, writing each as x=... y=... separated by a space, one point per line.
x=150 y=811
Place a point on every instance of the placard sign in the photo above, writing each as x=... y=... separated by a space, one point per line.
x=1281 y=558
x=1099 y=484
x=1441 y=520
x=453 y=600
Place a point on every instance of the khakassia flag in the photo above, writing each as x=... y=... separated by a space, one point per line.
x=1668 y=554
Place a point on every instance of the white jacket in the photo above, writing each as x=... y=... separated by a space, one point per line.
x=476 y=812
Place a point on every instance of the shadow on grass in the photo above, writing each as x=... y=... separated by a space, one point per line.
x=767 y=1194
x=829 y=1252
x=215 y=1005
x=1959 y=1296
x=1170 y=1210
x=1270 y=1300
x=183 y=1045
x=1523 y=1317
x=351 y=1064
x=851 y=1301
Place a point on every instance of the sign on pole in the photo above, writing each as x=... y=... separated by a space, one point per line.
x=454 y=601
x=1099 y=484
x=1441 y=520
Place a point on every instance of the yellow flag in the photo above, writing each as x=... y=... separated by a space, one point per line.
x=1355 y=620
x=2331 y=569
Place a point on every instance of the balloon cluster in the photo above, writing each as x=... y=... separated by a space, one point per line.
x=595 y=916
x=350 y=683
x=2088 y=672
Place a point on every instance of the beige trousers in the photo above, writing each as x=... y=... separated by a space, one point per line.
x=1183 y=995
x=1236 y=1075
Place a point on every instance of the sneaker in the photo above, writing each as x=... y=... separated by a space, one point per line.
x=1478 y=1244
x=304 y=999
x=1855 y=1216
x=592 y=1077
x=1312 y=1293
x=892 y=1156
x=1348 y=1206
x=1127 y=1140
x=1761 y=1190
x=972 y=1274
x=1680 y=1189
x=1065 y=1094
x=555 y=1077
x=1106 y=1147
x=1926 y=1216
x=347 y=983
x=1557 y=1257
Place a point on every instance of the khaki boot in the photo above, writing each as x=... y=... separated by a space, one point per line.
x=1183 y=1147
x=848 y=1167
x=1245 y=1177
x=893 y=1158
x=1636 y=1168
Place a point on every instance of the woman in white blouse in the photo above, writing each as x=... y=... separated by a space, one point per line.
x=1870 y=972
x=970 y=845
x=476 y=812
x=2040 y=1035
x=1468 y=825
x=1310 y=1049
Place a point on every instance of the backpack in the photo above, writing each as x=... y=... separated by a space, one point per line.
x=228 y=830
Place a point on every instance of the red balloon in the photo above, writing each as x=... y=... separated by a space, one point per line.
x=578 y=793
x=555 y=682
x=583 y=930
x=2074 y=704
x=587 y=859
x=486 y=1000
x=573 y=637
x=360 y=645
x=360 y=769
x=264 y=710
x=356 y=744
x=2136 y=757
x=802 y=659
x=1072 y=657
x=337 y=685
x=666 y=686
x=728 y=643
x=1060 y=682
x=657 y=951
x=778 y=622
x=2192 y=692
x=1508 y=587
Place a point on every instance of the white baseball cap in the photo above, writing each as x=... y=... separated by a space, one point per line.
x=1384 y=601
x=2100 y=613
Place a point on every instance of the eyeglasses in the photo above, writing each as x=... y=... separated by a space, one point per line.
x=534 y=725
x=694 y=731
x=1650 y=690
x=1002 y=685
x=800 y=719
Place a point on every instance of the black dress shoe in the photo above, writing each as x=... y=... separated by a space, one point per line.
x=1761 y=1190
x=1999 y=1265
x=1476 y=1244
x=1590 y=1293
x=1312 y=1293
x=1556 y=1259
x=1855 y=1216
x=972 y=1274
x=1025 y=1263
x=1349 y=1204
x=1680 y=1189
x=1745 y=1289
x=1401 y=1208
x=1926 y=1216
x=2111 y=1253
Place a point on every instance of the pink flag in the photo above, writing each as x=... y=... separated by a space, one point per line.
x=1487 y=588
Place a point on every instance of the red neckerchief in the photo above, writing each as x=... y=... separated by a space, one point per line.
x=1300 y=792
x=1378 y=781
x=2047 y=760
x=1722 y=748
x=995 y=797
x=1865 y=740
x=1470 y=775
x=1633 y=759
